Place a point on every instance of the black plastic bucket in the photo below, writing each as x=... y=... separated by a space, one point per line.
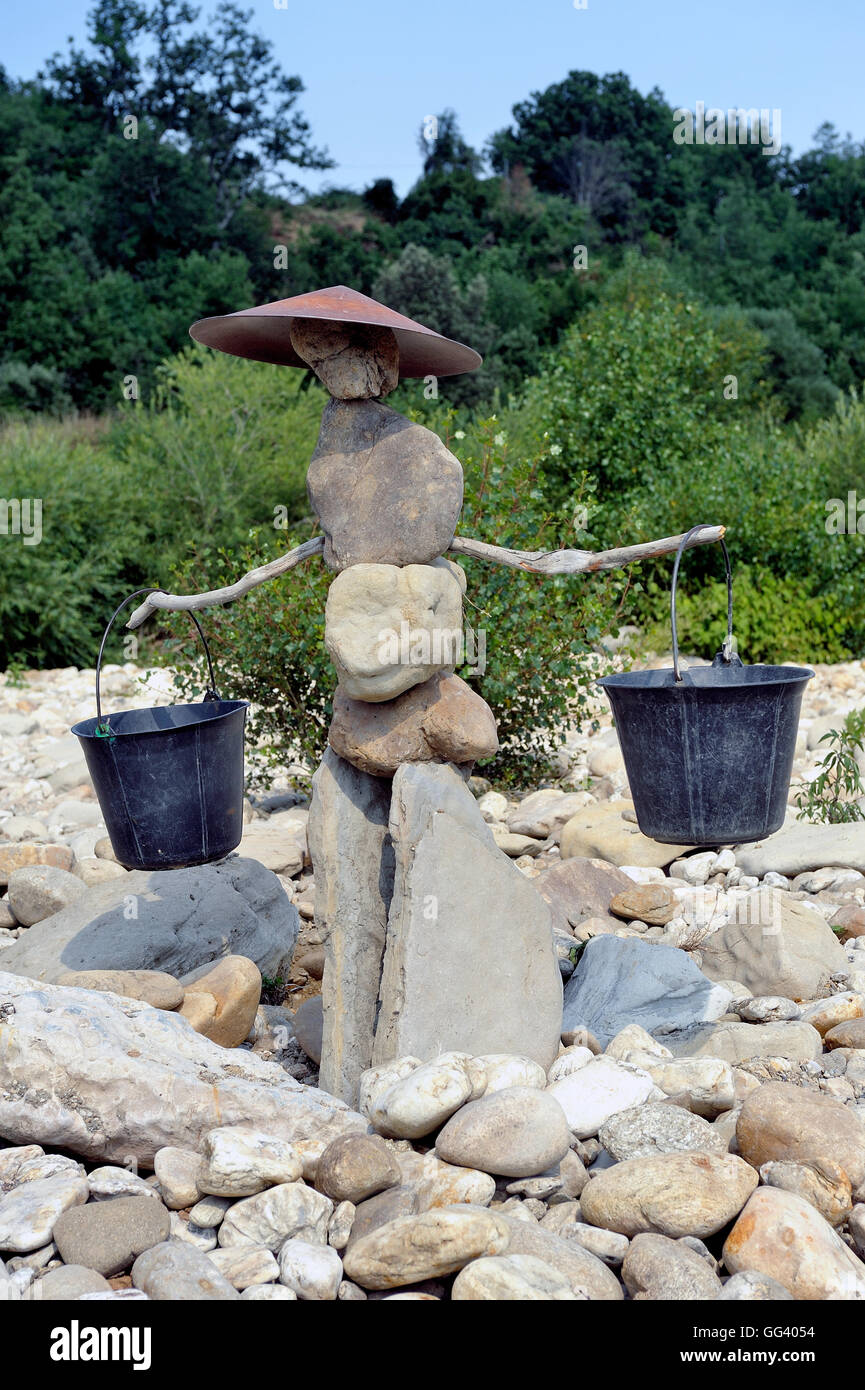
x=169 y=779
x=708 y=751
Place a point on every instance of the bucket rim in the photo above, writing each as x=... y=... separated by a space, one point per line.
x=791 y=676
x=80 y=730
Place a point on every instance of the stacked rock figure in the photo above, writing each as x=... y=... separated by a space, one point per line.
x=434 y=941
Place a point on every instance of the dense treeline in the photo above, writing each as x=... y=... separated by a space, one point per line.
x=144 y=182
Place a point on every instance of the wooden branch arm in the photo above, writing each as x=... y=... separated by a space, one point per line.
x=577 y=561
x=535 y=561
x=272 y=570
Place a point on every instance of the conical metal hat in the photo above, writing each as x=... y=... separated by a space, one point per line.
x=262 y=333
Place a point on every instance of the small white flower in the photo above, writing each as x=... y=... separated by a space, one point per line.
x=499 y=439
x=555 y=449
x=459 y=434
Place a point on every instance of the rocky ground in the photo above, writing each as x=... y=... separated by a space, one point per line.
x=700 y=1135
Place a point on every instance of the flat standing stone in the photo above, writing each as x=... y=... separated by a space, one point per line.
x=352 y=857
x=460 y=972
x=385 y=490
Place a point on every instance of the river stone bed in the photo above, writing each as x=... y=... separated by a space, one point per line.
x=700 y=1135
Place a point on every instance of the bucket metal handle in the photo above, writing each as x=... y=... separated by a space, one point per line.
x=727 y=649
x=102 y=728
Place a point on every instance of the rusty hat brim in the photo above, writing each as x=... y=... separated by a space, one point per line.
x=262 y=333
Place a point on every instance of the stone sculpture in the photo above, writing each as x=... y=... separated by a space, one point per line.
x=435 y=941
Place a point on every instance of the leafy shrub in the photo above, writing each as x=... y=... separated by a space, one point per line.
x=774 y=620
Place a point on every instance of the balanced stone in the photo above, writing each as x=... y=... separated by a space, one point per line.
x=384 y=489
x=389 y=628
x=354 y=361
x=441 y=720
x=352 y=858
x=446 y=933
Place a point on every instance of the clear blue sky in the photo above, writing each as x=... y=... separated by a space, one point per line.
x=374 y=68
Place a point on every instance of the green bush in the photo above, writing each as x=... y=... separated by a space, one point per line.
x=773 y=619
x=222 y=446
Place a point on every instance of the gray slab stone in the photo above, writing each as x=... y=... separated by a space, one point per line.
x=796 y=848
x=170 y=920
x=622 y=980
x=352 y=858
x=469 y=962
